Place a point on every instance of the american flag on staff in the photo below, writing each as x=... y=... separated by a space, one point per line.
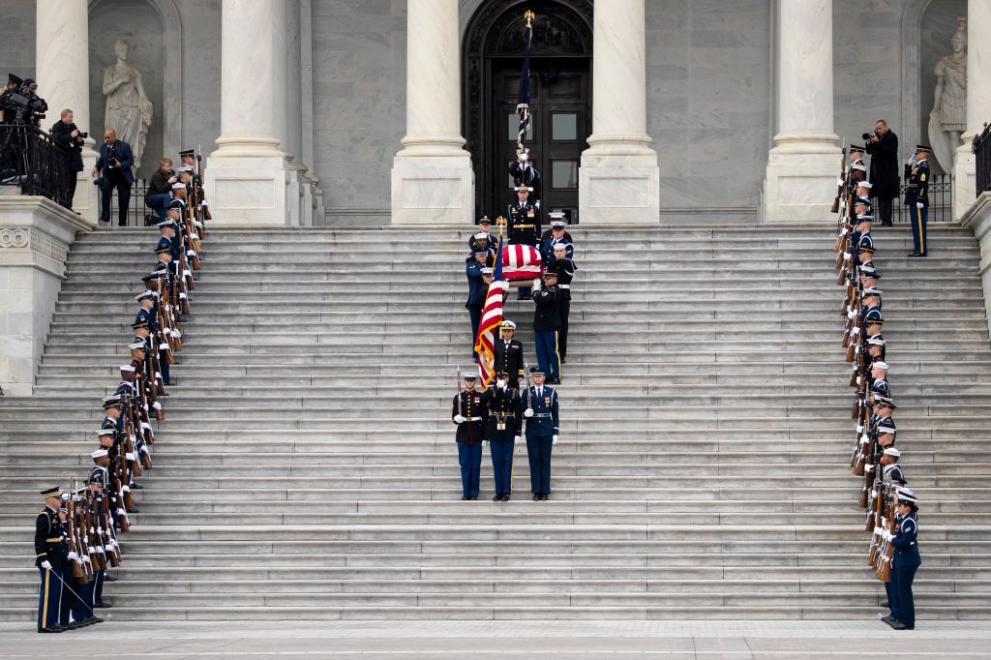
x=523 y=101
x=488 y=328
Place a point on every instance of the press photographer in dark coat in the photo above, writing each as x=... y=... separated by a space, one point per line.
x=66 y=135
x=882 y=145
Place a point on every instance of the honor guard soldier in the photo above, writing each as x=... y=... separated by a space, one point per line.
x=502 y=430
x=524 y=172
x=524 y=225
x=483 y=239
x=880 y=387
x=565 y=267
x=556 y=235
x=906 y=560
x=892 y=472
x=51 y=558
x=917 y=198
x=546 y=323
x=540 y=410
x=468 y=412
x=477 y=290
x=509 y=354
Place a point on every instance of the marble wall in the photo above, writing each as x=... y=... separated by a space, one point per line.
x=17 y=39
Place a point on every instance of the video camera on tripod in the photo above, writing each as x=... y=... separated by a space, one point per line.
x=21 y=106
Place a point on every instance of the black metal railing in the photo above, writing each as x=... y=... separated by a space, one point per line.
x=30 y=159
x=940 y=202
x=137 y=211
x=982 y=154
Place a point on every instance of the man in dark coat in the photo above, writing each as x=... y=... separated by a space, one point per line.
x=882 y=145
x=114 y=165
x=66 y=135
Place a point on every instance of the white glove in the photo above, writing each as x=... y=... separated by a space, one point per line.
x=553 y=440
x=528 y=413
x=920 y=205
x=519 y=439
x=484 y=442
x=45 y=565
x=460 y=419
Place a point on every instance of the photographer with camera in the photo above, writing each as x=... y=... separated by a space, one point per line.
x=160 y=188
x=882 y=145
x=67 y=135
x=114 y=167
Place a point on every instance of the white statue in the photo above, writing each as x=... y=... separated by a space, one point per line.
x=129 y=110
x=948 y=118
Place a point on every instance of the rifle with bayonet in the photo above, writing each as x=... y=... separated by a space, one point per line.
x=841 y=182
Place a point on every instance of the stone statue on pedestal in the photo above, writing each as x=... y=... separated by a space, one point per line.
x=948 y=118
x=129 y=111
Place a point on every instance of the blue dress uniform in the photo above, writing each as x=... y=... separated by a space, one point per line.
x=468 y=412
x=542 y=428
x=905 y=563
x=546 y=323
x=50 y=546
x=508 y=356
x=917 y=200
x=502 y=426
x=476 y=294
x=565 y=269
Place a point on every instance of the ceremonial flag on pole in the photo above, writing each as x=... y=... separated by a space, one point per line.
x=523 y=99
x=488 y=327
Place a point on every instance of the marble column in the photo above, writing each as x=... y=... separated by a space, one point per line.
x=432 y=176
x=247 y=175
x=619 y=180
x=62 y=72
x=800 y=182
x=978 y=103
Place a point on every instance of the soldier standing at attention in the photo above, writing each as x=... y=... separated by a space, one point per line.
x=468 y=412
x=540 y=410
x=477 y=288
x=502 y=429
x=565 y=268
x=917 y=198
x=51 y=557
x=892 y=472
x=546 y=323
x=523 y=226
x=508 y=355
x=906 y=560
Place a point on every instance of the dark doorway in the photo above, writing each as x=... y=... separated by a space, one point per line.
x=561 y=99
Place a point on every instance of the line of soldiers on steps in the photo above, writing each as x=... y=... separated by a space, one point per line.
x=892 y=507
x=76 y=535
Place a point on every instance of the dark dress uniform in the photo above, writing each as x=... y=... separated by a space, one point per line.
x=546 y=323
x=893 y=473
x=525 y=174
x=548 y=241
x=565 y=269
x=502 y=426
x=509 y=358
x=541 y=431
x=469 y=436
x=50 y=546
x=905 y=563
x=524 y=224
x=476 y=295
x=917 y=200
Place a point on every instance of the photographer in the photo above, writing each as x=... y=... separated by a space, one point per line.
x=882 y=145
x=114 y=167
x=66 y=135
x=160 y=188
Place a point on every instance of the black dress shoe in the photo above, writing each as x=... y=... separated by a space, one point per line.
x=563 y=361
x=109 y=578
x=887 y=619
x=898 y=625
x=121 y=224
x=546 y=496
x=103 y=604
x=497 y=498
x=505 y=498
x=885 y=604
x=137 y=487
x=50 y=630
x=464 y=497
x=95 y=619
x=891 y=621
x=536 y=496
x=914 y=254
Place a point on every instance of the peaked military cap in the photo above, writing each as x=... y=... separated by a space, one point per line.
x=54 y=491
x=99 y=453
x=145 y=295
x=536 y=371
x=857 y=147
x=485 y=220
x=906 y=495
x=873 y=315
x=111 y=401
x=892 y=451
x=886 y=426
x=508 y=325
x=923 y=148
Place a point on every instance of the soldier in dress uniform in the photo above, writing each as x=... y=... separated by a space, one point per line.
x=917 y=198
x=556 y=235
x=540 y=409
x=546 y=323
x=502 y=430
x=879 y=387
x=565 y=267
x=524 y=224
x=484 y=240
x=468 y=413
x=906 y=560
x=892 y=472
x=51 y=558
x=508 y=354
x=477 y=290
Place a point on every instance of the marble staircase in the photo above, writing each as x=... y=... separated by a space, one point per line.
x=307 y=468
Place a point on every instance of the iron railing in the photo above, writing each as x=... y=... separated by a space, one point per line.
x=137 y=211
x=940 y=202
x=30 y=159
x=982 y=154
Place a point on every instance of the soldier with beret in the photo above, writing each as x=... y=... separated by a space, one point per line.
x=469 y=414
x=502 y=430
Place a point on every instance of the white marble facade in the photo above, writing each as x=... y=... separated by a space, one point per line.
x=729 y=111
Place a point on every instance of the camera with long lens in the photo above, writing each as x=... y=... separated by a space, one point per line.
x=869 y=136
x=22 y=106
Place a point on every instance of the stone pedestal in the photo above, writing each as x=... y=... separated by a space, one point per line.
x=977 y=218
x=978 y=104
x=619 y=180
x=800 y=181
x=432 y=178
x=35 y=234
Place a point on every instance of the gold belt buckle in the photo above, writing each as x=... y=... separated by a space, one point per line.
x=500 y=426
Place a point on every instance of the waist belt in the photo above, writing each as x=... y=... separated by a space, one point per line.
x=54 y=540
x=504 y=414
x=564 y=286
x=523 y=226
x=541 y=415
x=474 y=419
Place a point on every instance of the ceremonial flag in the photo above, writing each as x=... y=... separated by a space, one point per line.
x=488 y=327
x=521 y=262
x=523 y=98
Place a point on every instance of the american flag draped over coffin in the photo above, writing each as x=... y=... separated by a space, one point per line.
x=521 y=262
